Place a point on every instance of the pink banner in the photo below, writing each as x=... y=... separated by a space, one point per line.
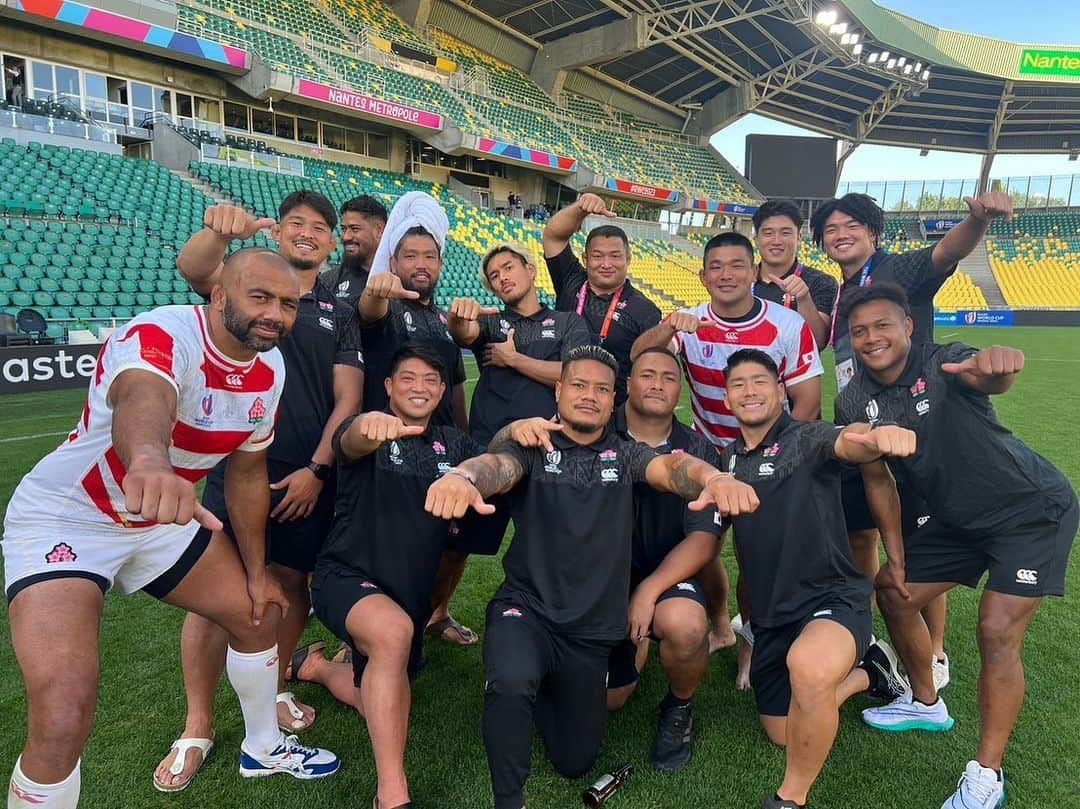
x=369 y=105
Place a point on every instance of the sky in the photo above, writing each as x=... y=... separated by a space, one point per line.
x=1044 y=22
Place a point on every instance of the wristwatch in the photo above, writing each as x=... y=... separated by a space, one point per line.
x=320 y=470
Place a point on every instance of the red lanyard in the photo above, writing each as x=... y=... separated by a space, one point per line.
x=584 y=292
x=865 y=280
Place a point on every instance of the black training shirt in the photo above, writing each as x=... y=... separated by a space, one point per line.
x=822 y=288
x=662 y=520
x=914 y=271
x=505 y=394
x=569 y=560
x=634 y=313
x=976 y=477
x=408 y=321
x=348 y=285
x=380 y=527
x=793 y=551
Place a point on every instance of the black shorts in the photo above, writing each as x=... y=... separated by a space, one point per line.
x=480 y=534
x=857 y=514
x=1028 y=560
x=293 y=544
x=334 y=592
x=622 y=670
x=768 y=667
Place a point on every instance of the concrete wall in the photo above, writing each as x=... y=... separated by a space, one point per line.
x=24 y=136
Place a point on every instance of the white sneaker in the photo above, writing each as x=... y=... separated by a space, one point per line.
x=941 y=672
x=289 y=757
x=979 y=788
x=904 y=713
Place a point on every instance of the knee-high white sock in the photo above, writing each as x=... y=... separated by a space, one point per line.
x=26 y=794
x=254 y=679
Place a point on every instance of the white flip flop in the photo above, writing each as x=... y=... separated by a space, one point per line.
x=182 y=747
x=288 y=699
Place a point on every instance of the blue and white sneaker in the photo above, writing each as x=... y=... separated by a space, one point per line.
x=305 y=763
x=904 y=713
x=979 y=788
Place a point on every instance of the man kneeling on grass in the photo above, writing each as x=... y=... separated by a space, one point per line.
x=373 y=581
x=810 y=605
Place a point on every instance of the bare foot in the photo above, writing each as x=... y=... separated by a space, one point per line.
x=742 y=678
x=310 y=657
x=721 y=637
x=290 y=720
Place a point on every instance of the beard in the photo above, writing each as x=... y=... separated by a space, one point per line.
x=353 y=262
x=581 y=426
x=243 y=330
x=510 y=303
x=423 y=290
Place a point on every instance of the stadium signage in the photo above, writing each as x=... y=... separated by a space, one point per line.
x=974 y=317
x=369 y=105
x=39 y=368
x=714 y=206
x=642 y=190
x=1050 y=63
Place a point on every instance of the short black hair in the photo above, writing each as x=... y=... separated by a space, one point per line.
x=860 y=207
x=729 y=238
x=754 y=355
x=860 y=296
x=667 y=352
x=778 y=207
x=366 y=205
x=417 y=351
x=608 y=232
x=312 y=199
x=415 y=230
x=590 y=352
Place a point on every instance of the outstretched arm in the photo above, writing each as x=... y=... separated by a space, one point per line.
x=962 y=239
x=201 y=256
x=860 y=444
x=563 y=225
x=663 y=333
x=466 y=485
x=369 y=430
x=992 y=370
x=700 y=483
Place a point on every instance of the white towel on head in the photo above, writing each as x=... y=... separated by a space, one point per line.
x=415 y=209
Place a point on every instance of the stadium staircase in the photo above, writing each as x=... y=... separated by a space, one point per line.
x=977 y=266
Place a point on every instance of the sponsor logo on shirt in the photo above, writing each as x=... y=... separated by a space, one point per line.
x=685 y=585
x=327 y=306
x=234 y=380
x=872 y=411
x=553 y=458
x=548 y=321
x=548 y=334
x=923 y=520
x=443 y=467
x=208 y=404
x=513 y=612
x=706 y=351
x=609 y=475
x=609 y=455
x=343 y=289
x=918 y=387
x=822 y=613
x=369 y=585
x=407 y=318
x=257 y=411
x=327 y=323
x=1027 y=576
x=771 y=452
x=731 y=336
x=922 y=407
x=504 y=326
x=765 y=470
x=395 y=454
x=61 y=552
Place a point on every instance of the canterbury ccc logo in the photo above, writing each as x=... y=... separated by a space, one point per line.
x=1026 y=576
x=234 y=380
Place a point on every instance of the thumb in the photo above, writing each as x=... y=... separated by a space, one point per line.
x=957 y=367
x=411 y=294
x=489 y=310
x=206 y=518
x=510 y=336
x=265 y=222
x=865 y=439
x=410 y=429
x=480 y=507
x=776 y=280
x=551 y=424
x=281 y=484
x=701 y=502
x=258 y=610
x=972 y=203
x=609 y=214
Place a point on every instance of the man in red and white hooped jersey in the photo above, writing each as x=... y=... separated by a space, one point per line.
x=733 y=318
x=175 y=391
x=705 y=337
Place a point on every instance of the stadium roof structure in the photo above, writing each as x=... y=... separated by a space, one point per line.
x=809 y=63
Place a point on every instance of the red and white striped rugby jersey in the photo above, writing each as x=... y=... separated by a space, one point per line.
x=222 y=405
x=779 y=332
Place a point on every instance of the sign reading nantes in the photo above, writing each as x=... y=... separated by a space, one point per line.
x=1050 y=62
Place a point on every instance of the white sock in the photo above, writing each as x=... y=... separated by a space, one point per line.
x=24 y=793
x=254 y=679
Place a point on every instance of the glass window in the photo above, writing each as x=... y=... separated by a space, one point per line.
x=285 y=127
x=183 y=105
x=1038 y=191
x=1059 y=191
x=894 y=193
x=950 y=195
x=208 y=109
x=354 y=141
x=163 y=101
x=877 y=191
x=42 y=76
x=307 y=131
x=262 y=122
x=378 y=146
x=95 y=85
x=142 y=96
x=67 y=83
x=1018 y=190
x=236 y=116
x=333 y=137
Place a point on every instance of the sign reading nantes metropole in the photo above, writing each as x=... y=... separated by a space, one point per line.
x=1047 y=62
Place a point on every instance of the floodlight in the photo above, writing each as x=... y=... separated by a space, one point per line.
x=857 y=49
x=826 y=17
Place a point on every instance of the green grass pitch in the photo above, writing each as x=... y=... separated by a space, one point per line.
x=141 y=707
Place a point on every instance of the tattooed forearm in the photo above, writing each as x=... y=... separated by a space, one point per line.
x=500 y=438
x=493 y=474
x=688 y=475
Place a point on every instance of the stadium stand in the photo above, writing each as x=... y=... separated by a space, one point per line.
x=1037 y=272
x=1063 y=224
